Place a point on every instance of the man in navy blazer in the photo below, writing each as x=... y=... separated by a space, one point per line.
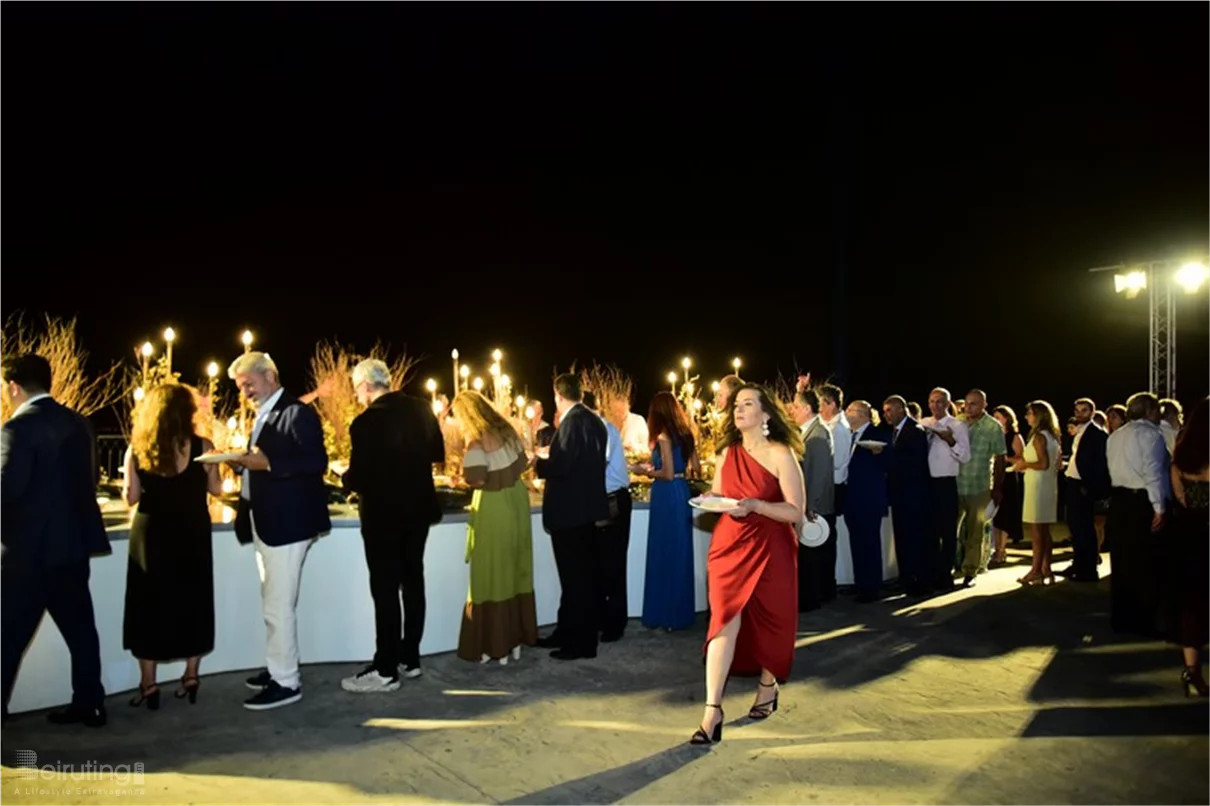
x=867 y=499
x=908 y=488
x=49 y=526
x=1087 y=475
x=572 y=505
x=283 y=507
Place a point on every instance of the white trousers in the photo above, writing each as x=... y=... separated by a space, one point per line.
x=280 y=570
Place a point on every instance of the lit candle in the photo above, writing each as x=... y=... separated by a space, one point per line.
x=465 y=372
x=672 y=381
x=454 y=355
x=247 y=340
x=431 y=385
x=212 y=373
x=736 y=364
x=686 y=363
x=146 y=351
x=715 y=386
x=478 y=384
x=497 y=355
x=169 y=338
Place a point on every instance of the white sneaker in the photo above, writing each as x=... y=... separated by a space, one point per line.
x=410 y=672
x=368 y=681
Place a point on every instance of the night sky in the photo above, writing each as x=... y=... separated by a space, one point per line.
x=898 y=195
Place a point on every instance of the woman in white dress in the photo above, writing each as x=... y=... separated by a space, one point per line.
x=1039 y=464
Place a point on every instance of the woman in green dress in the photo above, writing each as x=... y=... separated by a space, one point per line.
x=500 y=614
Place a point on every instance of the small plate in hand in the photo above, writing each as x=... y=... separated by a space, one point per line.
x=217 y=458
x=713 y=503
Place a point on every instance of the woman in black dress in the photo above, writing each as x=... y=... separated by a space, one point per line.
x=1190 y=546
x=1007 y=522
x=170 y=571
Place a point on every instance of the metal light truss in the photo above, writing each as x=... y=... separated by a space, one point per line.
x=1161 y=358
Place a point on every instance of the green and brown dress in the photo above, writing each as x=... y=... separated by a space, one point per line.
x=500 y=612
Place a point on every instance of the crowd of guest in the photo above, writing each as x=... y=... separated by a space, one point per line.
x=958 y=485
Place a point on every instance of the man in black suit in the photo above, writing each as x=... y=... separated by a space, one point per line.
x=908 y=488
x=49 y=525
x=283 y=507
x=574 y=502
x=395 y=443
x=1087 y=482
x=868 y=499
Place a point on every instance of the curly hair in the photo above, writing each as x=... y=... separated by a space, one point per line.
x=1045 y=420
x=781 y=428
x=163 y=426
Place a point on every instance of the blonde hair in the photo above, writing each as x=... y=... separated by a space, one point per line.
x=163 y=427
x=477 y=417
x=1045 y=420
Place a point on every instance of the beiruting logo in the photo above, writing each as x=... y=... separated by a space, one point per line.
x=27 y=768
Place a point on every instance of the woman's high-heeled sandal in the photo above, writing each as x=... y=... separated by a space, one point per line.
x=189 y=687
x=701 y=737
x=764 y=710
x=149 y=695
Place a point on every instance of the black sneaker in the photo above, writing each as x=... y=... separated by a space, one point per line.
x=273 y=695
x=72 y=714
x=259 y=681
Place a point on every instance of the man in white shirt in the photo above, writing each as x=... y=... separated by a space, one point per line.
x=632 y=427
x=949 y=449
x=614 y=534
x=1138 y=470
x=1086 y=477
x=1171 y=418
x=831 y=411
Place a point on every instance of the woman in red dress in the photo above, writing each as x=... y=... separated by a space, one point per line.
x=752 y=569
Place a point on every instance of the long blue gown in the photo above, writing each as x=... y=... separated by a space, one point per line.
x=668 y=590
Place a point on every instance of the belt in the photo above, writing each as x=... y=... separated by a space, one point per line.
x=1128 y=491
x=616 y=493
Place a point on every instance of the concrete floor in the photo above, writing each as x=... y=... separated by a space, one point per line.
x=991 y=695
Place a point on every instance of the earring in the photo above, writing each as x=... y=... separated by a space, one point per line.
x=764 y=428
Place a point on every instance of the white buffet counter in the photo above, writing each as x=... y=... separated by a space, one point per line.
x=335 y=611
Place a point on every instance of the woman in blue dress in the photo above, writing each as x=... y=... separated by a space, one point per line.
x=668 y=593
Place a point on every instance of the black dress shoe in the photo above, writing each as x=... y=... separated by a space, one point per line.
x=968 y=582
x=551 y=641
x=567 y=654
x=72 y=714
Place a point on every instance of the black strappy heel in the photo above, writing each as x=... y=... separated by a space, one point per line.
x=701 y=737
x=149 y=695
x=189 y=687
x=765 y=709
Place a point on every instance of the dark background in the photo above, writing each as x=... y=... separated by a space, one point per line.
x=896 y=195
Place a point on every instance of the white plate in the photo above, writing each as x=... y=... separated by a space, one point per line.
x=216 y=458
x=870 y=443
x=813 y=534
x=936 y=429
x=713 y=503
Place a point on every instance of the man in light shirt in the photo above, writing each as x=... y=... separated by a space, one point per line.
x=949 y=449
x=1171 y=418
x=633 y=427
x=1138 y=470
x=980 y=481
x=614 y=533
x=831 y=411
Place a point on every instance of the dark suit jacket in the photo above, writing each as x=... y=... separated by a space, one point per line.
x=818 y=468
x=288 y=500
x=907 y=481
x=48 y=484
x=396 y=442
x=575 y=473
x=1091 y=461
x=868 y=474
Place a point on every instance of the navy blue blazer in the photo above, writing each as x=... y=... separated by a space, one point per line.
x=867 y=485
x=908 y=477
x=48 y=487
x=288 y=500
x=1092 y=463
x=575 y=473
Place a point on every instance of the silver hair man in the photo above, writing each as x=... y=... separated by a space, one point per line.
x=252 y=362
x=374 y=372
